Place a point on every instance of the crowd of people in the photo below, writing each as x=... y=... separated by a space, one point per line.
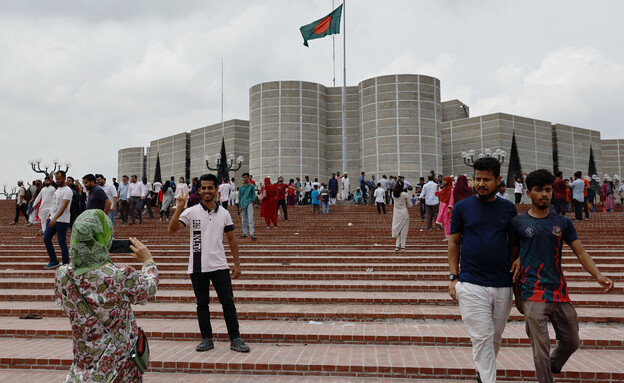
x=494 y=253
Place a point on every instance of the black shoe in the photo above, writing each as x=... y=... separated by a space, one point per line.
x=244 y=236
x=51 y=265
x=238 y=345
x=554 y=370
x=205 y=345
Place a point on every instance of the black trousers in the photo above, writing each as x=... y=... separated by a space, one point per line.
x=222 y=284
x=586 y=208
x=560 y=206
x=136 y=204
x=307 y=198
x=225 y=204
x=148 y=202
x=381 y=205
x=578 y=209
x=282 y=203
x=518 y=198
x=23 y=208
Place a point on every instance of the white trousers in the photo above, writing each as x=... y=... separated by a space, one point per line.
x=43 y=216
x=485 y=311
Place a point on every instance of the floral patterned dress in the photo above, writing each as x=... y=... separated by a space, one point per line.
x=103 y=354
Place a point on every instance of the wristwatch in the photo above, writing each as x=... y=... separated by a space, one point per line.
x=453 y=277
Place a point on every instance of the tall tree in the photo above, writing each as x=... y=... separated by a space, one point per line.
x=514 y=162
x=157 y=176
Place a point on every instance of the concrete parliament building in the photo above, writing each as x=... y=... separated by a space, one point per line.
x=396 y=125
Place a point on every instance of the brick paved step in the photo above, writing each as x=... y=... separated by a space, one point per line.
x=310 y=276
x=328 y=297
x=303 y=312
x=253 y=257
x=379 y=361
x=410 y=333
x=46 y=376
x=299 y=285
x=336 y=267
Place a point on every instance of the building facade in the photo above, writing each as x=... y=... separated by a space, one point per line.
x=396 y=125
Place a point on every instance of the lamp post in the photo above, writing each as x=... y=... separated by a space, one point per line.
x=36 y=166
x=9 y=195
x=224 y=167
x=468 y=156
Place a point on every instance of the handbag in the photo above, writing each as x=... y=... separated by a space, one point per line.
x=139 y=352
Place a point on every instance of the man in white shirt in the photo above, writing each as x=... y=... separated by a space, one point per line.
x=518 y=189
x=58 y=223
x=307 y=188
x=111 y=193
x=232 y=191
x=46 y=197
x=502 y=193
x=181 y=189
x=207 y=262
x=224 y=193
x=147 y=200
x=431 y=201
x=135 y=196
x=380 y=198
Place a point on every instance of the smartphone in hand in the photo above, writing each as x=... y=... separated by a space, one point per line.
x=121 y=246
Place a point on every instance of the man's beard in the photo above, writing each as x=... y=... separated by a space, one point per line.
x=541 y=207
x=484 y=198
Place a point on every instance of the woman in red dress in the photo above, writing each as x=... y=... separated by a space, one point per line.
x=268 y=208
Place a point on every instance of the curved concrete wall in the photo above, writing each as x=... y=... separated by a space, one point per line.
x=399 y=118
x=130 y=161
x=287 y=130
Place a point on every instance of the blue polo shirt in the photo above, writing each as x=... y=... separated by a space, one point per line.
x=484 y=254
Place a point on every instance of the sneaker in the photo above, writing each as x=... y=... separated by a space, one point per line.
x=253 y=237
x=29 y=224
x=238 y=345
x=51 y=265
x=12 y=223
x=397 y=248
x=244 y=236
x=205 y=345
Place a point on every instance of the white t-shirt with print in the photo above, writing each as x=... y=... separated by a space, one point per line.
x=60 y=195
x=206 y=228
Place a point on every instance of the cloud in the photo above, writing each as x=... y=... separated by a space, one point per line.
x=572 y=85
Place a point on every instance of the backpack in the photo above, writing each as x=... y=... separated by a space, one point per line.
x=27 y=195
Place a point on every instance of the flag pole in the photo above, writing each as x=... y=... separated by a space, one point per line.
x=334 y=51
x=344 y=88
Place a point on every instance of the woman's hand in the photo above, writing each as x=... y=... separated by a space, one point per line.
x=141 y=252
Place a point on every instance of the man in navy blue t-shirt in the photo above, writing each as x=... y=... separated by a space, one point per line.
x=537 y=236
x=97 y=196
x=480 y=264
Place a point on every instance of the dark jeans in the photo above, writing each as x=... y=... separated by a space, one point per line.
x=560 y=206
x=518 y=197
x=565 y=322
x=282 y=203
x=23 y=208
x=578 y=209
x=223 y=286
x=586 y=208
x=60 y=229
x=123 y=210
x=224 y=204
x=431 y=212
x=307 y=198
x=422 y=209
x=148 y=202
x=136 y=204
x=316 y=208
x=380 y=206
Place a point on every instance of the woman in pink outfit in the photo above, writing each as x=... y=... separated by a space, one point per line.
x=446 y=199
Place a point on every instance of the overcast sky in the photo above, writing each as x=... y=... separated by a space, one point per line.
x=82 y=79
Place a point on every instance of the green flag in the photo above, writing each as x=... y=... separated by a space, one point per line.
x=328 y=25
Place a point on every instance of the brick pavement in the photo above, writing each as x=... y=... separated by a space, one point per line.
x=385 y=315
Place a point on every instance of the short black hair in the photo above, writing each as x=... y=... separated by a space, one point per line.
x=245 y=174
x=69 y=178
x=99 y=176
x=558 y=173
x=488 y=163
x=124 y=176
x=539 y=177
x=208 y=177
x=62 y=173
x=578 y=174
x=89 y=177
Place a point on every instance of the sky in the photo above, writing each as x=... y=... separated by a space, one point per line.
x=80 y=80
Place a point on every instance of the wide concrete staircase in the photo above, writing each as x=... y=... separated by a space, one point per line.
x=321 y=299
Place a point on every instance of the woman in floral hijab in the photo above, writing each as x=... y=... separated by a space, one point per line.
x=102 y=344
